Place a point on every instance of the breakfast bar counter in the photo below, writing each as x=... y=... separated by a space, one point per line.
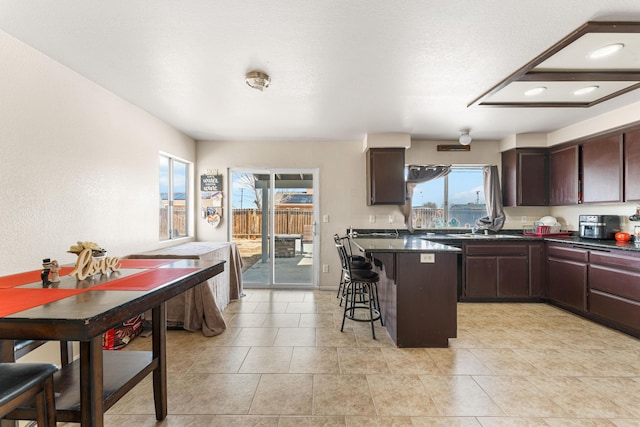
x=417 y=289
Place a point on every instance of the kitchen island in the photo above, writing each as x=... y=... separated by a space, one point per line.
x=417 y=289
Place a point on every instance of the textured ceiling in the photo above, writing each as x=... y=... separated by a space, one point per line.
x=339 y=68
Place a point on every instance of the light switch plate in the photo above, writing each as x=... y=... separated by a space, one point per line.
x=428 y=258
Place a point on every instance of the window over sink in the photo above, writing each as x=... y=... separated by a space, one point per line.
x=453 y=201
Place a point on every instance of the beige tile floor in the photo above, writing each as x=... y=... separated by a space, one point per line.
x=284 y=362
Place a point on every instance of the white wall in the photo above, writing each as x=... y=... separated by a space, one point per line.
x=78 y=163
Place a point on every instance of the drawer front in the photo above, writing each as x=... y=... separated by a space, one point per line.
x=496 y=249
x=619 y=259
x=568 y=252
x=619 y=310
x=621 y=283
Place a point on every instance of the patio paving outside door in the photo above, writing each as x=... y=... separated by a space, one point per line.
x=274 y=225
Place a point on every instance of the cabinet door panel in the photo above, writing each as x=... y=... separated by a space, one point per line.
x=632 y=165
x=563 y=177
x=385 y=176
x=602 y=170
x=568 y=283
x=532 y=174
x=481 y=277
x=524 y=177
x=513 y=277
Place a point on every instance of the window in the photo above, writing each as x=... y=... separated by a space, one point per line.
x=174 y=203
x=453 y=201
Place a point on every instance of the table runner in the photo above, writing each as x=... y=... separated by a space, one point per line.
x=14 y=300
x=144 y=263
x=28 y=277
x=145 y=280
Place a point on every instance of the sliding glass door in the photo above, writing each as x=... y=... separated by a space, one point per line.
x=274 y=225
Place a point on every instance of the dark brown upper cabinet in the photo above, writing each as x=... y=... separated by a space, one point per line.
x=385 y=176
x=632 y=165
x=602 y=170
x=525 y=177
x=564 y=176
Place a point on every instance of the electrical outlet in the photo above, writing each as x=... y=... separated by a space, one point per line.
x=325 y=268
x=372 y=219
x=523 y=219
x=325 y=218
x=391 y=219
x=428 y=258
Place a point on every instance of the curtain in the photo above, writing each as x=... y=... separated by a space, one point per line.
x=493 y=199
x=416 y=175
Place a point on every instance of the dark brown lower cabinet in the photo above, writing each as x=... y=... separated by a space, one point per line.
x=418 y=300
x=600 y=284
x=567 y=276
x=502 y=271
x=614 y=288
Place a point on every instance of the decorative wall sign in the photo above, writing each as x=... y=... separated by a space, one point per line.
x=210 y=182
x=211 y=198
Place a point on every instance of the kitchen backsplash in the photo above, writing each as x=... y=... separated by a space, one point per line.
x=520 y=217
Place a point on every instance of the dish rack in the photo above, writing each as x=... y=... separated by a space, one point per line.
x=540 y=229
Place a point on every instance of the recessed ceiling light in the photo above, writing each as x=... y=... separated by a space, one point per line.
x=584 y=90
x=535 y=91
x=607 y=50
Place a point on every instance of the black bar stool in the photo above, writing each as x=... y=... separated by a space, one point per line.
x=21 y=382
x=357 y=262
x=360 y=292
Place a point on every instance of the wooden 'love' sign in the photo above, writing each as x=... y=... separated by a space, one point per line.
x=87 y=266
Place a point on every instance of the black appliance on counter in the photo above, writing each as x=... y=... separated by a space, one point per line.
x=599 y=226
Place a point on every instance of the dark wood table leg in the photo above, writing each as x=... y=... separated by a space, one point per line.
x=91 y=383
x=159 y=326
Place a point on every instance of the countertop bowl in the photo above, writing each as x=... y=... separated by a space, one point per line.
x=622 y=236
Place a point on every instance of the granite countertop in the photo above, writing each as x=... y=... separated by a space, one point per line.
x=595 y=243
x=439 y=242
x=402 y=244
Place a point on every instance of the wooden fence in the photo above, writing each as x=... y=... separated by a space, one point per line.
x=247 y=223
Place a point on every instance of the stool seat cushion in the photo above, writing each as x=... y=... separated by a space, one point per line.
x=364 y=276
x=361 y=265
x=17 y=378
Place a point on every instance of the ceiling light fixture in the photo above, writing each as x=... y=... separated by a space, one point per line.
x=588 y=56
x=584 y=90
x=607 y=50
x=535 y=91
x=465 y=138
x=258 y=80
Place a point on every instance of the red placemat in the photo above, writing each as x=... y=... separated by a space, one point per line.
x=13 y=300
x=28 y=277
x=144 y=263
x=144 y=281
